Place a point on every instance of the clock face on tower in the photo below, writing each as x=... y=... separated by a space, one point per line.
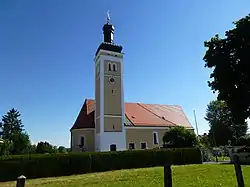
x=112 y=80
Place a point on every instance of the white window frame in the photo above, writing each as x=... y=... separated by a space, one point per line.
x=132 y=143
x=157 y=138
x=145 y=143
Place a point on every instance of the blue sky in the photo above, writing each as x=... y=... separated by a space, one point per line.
x=47 y=50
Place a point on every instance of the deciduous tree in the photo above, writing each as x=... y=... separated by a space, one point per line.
x=229 y=59
x=5 y=147
x=21 y=142
x=204 y=140
x=62 y=149
x=222 y=125
x=45 y=147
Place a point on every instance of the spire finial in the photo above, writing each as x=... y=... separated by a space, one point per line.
x=108 y=17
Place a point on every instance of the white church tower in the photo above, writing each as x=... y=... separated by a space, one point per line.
x=109 y=96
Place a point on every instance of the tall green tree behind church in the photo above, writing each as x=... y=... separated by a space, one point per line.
x=222 y=125
x=229 y=59
x=12 y=130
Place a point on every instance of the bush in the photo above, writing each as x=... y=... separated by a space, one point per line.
x=51 y=165
x=179 y=137
x=244 y=141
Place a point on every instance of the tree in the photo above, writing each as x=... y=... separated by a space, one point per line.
x=179 y=137
x=20 y=142
x=45 y=147
x=12 y=130
x=229 y=59
x=204 y=140
x=62 y=149
x=30 y=149
x=222 y=125
x=5 y=147
x=11 y=124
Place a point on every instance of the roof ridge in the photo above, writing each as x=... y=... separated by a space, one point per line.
x=155 y=114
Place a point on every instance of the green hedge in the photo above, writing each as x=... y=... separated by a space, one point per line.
x=35 y=166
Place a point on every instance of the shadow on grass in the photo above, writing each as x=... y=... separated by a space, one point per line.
x=226 y=163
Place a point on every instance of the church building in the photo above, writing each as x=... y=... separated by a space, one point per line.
x=107 y=123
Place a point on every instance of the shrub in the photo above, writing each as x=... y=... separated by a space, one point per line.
x=179 y=137
x=51 y=165
x=244 y=141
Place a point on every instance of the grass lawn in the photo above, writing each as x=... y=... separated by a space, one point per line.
x=205 y=175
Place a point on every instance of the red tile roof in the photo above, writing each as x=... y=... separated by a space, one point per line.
x=141 y=116
x=138 y=114
x=86 y=116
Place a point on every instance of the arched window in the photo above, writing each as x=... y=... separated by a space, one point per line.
x=155 y=138
x=110 y=69
x=114 y=67
x=82 y=141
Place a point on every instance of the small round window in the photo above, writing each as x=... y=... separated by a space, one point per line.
x=112 y=80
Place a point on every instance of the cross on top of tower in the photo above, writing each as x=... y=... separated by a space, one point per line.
x=108 y=36
x=108 y=17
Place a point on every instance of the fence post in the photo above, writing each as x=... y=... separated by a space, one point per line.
x=167 y=175
x=238 y=171
x=20 y=181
